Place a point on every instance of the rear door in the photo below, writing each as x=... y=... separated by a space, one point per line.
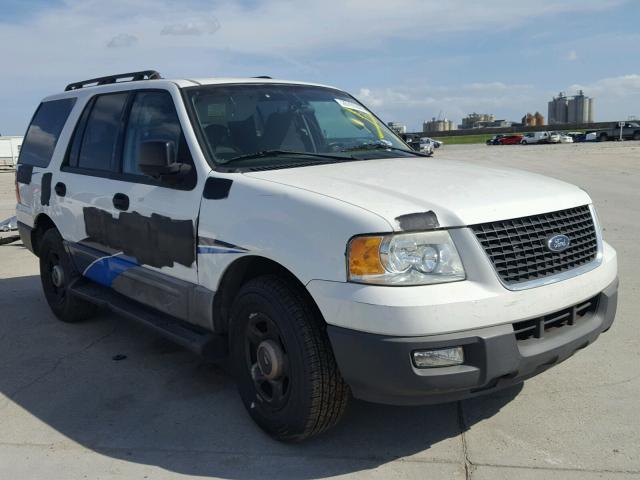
x=40 y=147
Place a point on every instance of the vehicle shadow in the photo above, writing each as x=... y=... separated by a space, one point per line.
x=162 y=406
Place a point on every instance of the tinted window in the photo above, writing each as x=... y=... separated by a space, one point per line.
x=101 y=133
x=43 y=133
x=153 y=118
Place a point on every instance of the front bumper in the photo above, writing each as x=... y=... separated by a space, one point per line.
x=379 y=369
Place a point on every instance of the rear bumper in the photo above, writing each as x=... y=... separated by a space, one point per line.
x=379 y=368
x=25 y=232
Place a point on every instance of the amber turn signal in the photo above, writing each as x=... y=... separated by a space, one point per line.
x=364 y=257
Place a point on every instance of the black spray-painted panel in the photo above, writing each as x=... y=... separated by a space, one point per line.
x=157 y=241
x=24 y=174
x=45 y=189
x=217 y=188
x=418 y=221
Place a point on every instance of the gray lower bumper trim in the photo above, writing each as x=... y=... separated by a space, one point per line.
x=379 y=369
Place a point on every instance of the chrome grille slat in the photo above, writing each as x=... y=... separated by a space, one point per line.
x=517 y=247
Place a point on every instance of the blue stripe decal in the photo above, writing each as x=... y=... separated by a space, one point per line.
x=219 y=250
x=105 y=270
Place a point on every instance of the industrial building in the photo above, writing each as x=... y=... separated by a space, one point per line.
x=533 y=120
x=434 y=125
x=565 y=109
x=9 y=150
x=477 y=120
x=398 y=127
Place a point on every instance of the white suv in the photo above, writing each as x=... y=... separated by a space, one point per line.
x=284 y=225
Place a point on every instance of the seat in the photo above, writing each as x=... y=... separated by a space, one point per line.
x=280 y=133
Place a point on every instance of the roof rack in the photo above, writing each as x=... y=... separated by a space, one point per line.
x=133 y=76
x=264 y=76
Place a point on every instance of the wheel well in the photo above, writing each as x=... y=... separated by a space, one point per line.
x=41 y=225
x=239 y=273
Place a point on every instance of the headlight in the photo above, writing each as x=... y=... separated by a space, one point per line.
x=404 y=259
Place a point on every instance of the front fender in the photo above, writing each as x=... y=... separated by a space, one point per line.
x=305 y=232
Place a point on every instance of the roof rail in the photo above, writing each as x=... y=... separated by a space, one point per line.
x=132 y=76
x=264 y=76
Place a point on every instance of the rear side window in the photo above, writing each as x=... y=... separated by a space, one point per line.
x=44 y=131
x=100 y=138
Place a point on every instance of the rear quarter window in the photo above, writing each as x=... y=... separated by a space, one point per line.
x=44 y=131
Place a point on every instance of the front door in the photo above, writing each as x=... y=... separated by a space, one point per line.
x=140 y=232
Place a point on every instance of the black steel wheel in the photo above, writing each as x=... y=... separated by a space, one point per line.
x=282 y=360
x=267 y=361
x=56 y=274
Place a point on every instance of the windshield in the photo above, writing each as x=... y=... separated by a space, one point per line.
x=258 y=125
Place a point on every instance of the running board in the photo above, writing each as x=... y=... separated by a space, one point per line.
x=191 y=337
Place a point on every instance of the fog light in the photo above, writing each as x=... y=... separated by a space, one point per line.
x=438 y=357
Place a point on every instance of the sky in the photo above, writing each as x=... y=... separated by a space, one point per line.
x=407 y=60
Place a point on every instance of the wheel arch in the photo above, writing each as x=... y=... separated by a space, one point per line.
x=41 y=224
x=241 y=271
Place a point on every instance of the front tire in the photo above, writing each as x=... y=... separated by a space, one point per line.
x=57 y=274
x=282 y=360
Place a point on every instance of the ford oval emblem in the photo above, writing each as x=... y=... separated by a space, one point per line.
x=558 y=243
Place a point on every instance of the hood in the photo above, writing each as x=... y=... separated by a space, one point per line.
x=458 y=193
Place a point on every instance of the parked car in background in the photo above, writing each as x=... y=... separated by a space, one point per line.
x=565 y=138
x=494 y=140
x=591 y=137
x=436 y=143
x=630 y=131
x=509 y=140
x=533 y=138
x=421 y=145
x=554 y=137
x=580 y=137
x=429 y=140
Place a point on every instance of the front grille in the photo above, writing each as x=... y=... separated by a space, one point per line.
x=537 y=327
x=518 y=247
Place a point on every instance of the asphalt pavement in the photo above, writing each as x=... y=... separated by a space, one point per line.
x=71 y=407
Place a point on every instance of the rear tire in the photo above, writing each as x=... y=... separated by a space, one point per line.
x=636 y=136
x=282 y=360
x=56 y=274
x=603 y=137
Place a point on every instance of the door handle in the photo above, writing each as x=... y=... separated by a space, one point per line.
x=60 y=189
x=121 y=201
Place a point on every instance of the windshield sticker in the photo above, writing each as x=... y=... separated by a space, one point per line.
x=350 y=105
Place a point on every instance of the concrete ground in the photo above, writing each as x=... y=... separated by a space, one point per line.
x=68 y=410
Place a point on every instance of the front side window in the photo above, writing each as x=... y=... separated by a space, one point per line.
x=153 y=117
x=44 y=131
x=261 y=123
x=100 y=138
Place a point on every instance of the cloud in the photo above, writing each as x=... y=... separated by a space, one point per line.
x=122 y=40
x=572 y=56
x=414 y=104
x=192 y=28
x=624 y=86
x=333 y=41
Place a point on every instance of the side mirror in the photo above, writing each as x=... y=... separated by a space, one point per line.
x=158 y=160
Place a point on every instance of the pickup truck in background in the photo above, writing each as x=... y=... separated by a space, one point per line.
x=630 y=131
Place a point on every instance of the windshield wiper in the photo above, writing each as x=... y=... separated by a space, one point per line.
x=381 y=146
x=286 y=153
